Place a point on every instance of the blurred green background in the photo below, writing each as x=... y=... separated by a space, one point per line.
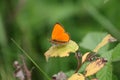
x=30 y=22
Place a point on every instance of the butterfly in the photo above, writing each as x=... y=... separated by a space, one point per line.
x=59 y=36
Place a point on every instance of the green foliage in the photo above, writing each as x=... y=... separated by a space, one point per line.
x=91 y=40
x=116 y=53
x=69 y=73
x=29 y=23
x=105 y=73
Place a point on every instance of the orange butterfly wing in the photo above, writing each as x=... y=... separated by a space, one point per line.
x=59 y=35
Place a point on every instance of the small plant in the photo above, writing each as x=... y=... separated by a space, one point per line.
x=62 y=46
x=89 y=63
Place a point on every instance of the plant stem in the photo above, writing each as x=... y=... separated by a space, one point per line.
x=78 y=56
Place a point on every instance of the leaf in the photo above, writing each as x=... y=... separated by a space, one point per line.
x=84 y=57
x=108 y=38
x=77 y=76
x=61 y=50
x=94 y=67
x=82 y=69
x=69 y=73
x=91 y=40
x=116 y=53
x=106 y=72
x=107 y=55
x=104 y=41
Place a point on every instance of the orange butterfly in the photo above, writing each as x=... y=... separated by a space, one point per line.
x=59 y=36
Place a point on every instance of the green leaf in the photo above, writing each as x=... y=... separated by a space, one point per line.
x=107 y=55
x=105 y=73
x=69 y=73
x=91 y=40
x=116 y=53
x=82 y=69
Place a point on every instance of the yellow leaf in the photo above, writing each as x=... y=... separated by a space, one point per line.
x=94 y=67
x=61 y=50
x=88 y=56
x=77 y=76
x=84 y=57
x=105 y=40
x=94 y=79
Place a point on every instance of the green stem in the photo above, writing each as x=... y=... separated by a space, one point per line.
x=31 y=59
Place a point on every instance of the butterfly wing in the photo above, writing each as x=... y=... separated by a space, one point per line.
x=59 y=34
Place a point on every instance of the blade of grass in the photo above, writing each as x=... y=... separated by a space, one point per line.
x=31 y=60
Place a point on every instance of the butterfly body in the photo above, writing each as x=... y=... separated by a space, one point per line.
x=59 y=36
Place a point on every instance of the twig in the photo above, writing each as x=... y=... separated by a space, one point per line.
x=78 y=57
